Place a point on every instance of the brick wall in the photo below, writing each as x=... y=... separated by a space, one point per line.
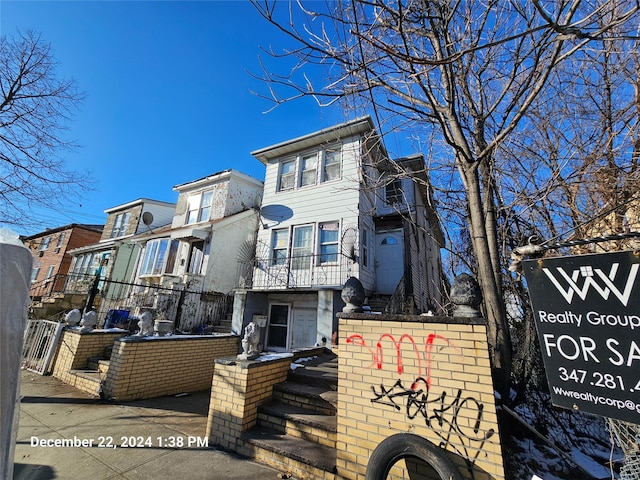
x=156 y=366
x=74 y=351
x=55 y=256
x=427 y=376
x=237 y=389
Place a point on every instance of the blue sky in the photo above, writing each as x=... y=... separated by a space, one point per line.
x=168 y=94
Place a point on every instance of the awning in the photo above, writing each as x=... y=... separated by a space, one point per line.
x=187 y=233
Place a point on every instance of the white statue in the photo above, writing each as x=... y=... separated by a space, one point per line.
x=73 y=318
x=250 y=342
x=89 y=321
x=145 y=324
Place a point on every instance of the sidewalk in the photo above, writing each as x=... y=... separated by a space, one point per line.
x=169 y=434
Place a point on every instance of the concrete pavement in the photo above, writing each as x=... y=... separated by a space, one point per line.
x=67 y=434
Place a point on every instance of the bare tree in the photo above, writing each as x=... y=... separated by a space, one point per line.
x=34 y=108
x=464 y=73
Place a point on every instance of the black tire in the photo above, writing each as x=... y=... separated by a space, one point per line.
x=404 y=445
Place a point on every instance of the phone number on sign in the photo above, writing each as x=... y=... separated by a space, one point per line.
x=177 y=441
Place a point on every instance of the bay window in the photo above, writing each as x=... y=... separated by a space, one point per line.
x=159 y=257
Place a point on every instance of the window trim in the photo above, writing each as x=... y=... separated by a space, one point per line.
x=200 y=209
x=275 y=260
x=120 y=224
x=337 y=149
x=45 y=244
x=291 y=174
x=151 y=263
x=322 y=243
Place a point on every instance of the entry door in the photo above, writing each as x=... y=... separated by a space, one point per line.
x=389 y=257
x=278 y=329
x=304 y=327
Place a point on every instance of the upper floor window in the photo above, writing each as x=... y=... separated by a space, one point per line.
x=311 y=167
x=199 y=207
x=393 y=191
x=45 y=243
x=159 y=257
x=329 y=242
x=308 y=167
x=60 y=239
x=34 y=274
x=332 y=164
x=120 y=224
x=287 y=175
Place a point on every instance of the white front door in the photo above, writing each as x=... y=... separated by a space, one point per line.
x=304 y=327
x=389 y=261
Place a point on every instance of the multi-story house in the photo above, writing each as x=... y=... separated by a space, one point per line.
x=198 y=253
x=51 y=257
x=335 y=206
x=114 y=256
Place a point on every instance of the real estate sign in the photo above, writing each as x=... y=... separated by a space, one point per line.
x=587 y=314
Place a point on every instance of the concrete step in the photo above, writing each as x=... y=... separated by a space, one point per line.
x=319 y=370
x=303 y=458
x=87 y=380
x=316 y=398
x=299 y=422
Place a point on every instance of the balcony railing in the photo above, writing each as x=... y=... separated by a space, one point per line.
x=61 y=283
x=301 y=271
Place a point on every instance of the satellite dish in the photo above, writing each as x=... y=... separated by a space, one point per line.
x=147 y=218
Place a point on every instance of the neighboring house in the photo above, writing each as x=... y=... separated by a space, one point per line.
x=214 y=225
x=335 y=207
x=114 y=256
x=618 y=221
x=51 y=257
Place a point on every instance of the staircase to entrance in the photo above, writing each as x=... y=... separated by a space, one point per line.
x=296 y=431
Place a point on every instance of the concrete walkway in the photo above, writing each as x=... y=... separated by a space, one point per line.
x=167 y=434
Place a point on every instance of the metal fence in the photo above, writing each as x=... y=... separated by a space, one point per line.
x=190 y=308
x=627 y=437
x=40 y=341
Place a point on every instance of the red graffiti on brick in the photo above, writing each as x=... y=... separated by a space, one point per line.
x=424 y=355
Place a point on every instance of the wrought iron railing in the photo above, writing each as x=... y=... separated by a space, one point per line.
x=61 y=283
x=301 y=271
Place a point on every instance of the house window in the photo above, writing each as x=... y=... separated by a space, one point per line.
x=308 y=166
x=365 y=247
x=279 y=240
x=34 y=274
x=120 y=225
x=45 y=243
x=332 y=164
x=302 y=247
x=49 y=272
x=287 y=175
x=196 y=258
x=329 y=242
x=159 y=257
x=393 y=191
x=60 y=239
x=199 y=207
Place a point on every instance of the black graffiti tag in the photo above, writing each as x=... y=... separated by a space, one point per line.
x=441 y=415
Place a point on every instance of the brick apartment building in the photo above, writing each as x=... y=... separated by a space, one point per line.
x=51 y=259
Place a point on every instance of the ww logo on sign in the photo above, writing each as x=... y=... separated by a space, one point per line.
x=594 y=278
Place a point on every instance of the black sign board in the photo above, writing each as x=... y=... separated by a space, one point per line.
x=587 y=314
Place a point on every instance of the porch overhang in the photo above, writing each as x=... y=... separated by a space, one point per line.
x=191 y=233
